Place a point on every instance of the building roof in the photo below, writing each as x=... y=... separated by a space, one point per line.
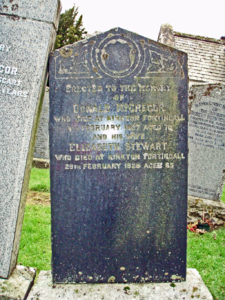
x=206 y=56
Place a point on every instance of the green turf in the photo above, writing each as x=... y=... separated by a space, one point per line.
x=206 y=253
x=35 y=244
x=223 y=195
x=39 y=180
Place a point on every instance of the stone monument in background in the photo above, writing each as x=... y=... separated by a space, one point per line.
x=206 y=141
x=118 y=151
x=41 y=149
x=27 y=33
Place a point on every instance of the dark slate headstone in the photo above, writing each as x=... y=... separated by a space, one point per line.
x=206 y=141
x=118 y=151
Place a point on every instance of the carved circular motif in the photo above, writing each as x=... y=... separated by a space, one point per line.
x=117 y=56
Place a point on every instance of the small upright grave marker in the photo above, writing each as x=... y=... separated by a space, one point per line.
x=27 y=31
x=206 y=141
x=118 y=151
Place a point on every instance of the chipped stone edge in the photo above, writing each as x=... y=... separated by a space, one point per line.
x=197 y=207
x=193 y=288
x=19 y=284
x=23 y=13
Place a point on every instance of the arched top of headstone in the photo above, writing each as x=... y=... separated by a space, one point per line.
x=118 y=53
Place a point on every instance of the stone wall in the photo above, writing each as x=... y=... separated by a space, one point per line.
x=197 y=208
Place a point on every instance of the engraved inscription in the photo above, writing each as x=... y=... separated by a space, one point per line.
x=10 y=83
x=120 y=131
x=207 y=124
x=4 y=48
x=207 y=141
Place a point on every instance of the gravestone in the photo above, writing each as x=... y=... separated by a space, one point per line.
x=41 y=149
x=27 y=32
x=206 y=141
x=118 y=153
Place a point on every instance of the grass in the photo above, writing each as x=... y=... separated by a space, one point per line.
x=39 y=180
x=205 y=252
x=35 y=243
x=223 y=195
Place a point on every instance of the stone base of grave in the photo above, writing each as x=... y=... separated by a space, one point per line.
x=18 y=285
x=192 y=288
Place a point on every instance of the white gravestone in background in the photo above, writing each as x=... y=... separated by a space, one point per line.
x=206 y=138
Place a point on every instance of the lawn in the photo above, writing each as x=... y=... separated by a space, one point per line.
x=205 y=252
x=39 y=180
x=223 y=195
x=35 y=244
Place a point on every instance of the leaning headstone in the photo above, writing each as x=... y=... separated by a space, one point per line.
x=118 y=152
x=206 y=141
x=27 y=32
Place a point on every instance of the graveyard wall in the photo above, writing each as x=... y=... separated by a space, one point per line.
x=197 y=208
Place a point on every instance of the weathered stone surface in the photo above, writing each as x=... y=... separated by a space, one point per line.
x=166 y=35
x=24 y=48
x=41 y=149
x=192 y=288
x=18 y=285
x=40 y=163
x=45 y=11
x=118 y=151
x=206 y=58
x=197 y=208
x=206 y=141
